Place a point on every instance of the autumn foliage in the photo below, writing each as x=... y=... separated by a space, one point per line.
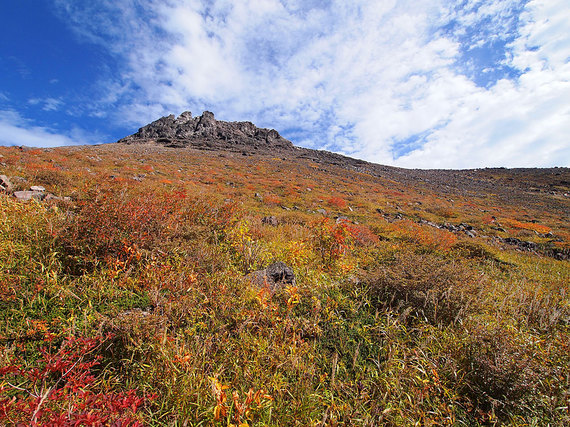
x=130 y=303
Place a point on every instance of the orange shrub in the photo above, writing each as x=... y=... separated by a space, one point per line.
x=430 y=237
x=337 y=202
x=513 y=223
x=272 y=199
x=362 y=235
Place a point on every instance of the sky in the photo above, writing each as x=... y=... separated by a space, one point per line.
x=417 y=84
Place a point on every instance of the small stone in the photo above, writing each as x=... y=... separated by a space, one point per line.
x=37 y=188
x=322 y=211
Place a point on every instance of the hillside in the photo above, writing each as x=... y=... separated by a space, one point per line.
x=140 y=286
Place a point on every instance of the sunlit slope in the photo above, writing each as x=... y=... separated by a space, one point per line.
x=419 y=297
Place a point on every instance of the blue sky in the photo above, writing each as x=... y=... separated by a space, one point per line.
x=423 y=83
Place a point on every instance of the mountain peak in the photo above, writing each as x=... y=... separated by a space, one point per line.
x=206 y=132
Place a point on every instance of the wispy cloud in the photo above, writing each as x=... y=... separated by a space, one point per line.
x=417 y=84
x=17 y=130
x=47 y=104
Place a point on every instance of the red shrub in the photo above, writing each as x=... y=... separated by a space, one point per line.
x=60 y=390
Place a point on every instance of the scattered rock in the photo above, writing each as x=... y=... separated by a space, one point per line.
x=28 y=195
x=5 y=184
x=258 y=197
x=37 y=188
x=322 y=211
x=270 y=220
x=275 y=276
x=521 y=244
x=50 y=197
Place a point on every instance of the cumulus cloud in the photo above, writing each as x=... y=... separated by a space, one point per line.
x=16 y=130
x=412 y=83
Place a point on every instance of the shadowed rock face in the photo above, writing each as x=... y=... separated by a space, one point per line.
x=208 y=133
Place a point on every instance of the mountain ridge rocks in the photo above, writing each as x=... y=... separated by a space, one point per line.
x=207 y=132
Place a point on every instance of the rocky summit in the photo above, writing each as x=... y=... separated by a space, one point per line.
x=205 y=132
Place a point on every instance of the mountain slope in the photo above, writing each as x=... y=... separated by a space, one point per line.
x=431 y=297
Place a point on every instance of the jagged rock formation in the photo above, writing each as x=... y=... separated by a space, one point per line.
x=208 y=133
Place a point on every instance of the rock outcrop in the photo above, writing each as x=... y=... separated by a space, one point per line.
x=206 y=132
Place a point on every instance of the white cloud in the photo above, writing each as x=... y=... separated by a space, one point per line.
x=48 y=104
x=16 y=130
x=525 y=122
x=383 y=81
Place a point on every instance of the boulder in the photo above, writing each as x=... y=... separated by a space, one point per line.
x=275 y=276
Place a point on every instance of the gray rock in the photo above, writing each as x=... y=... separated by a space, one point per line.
x=5 y=184
x=275 y=276
x=322 y=211
x=50 y=197
x=28 y=195
x=208 y=133
x=270 y=220
x=37 y=188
